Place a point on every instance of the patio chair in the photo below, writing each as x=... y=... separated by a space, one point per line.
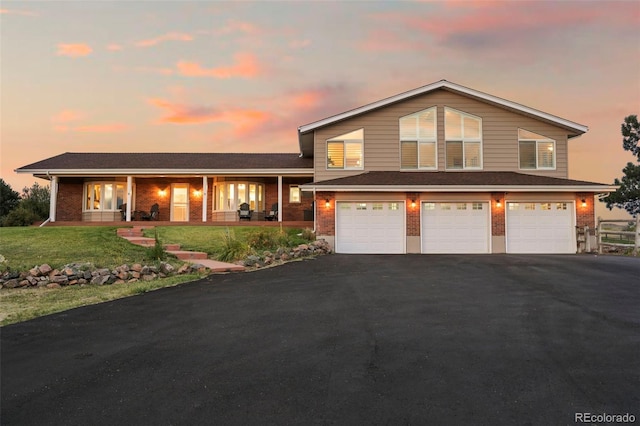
x=273 y=214
x=153 y=214
x=245 y=211
x=123 y=212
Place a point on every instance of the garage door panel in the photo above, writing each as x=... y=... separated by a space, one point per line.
x=540 y=228
x=455 y=227
x=367 y=227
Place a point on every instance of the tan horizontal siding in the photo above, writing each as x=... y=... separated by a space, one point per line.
x=499 y=132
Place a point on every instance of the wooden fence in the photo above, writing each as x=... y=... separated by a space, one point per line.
x=624 y=239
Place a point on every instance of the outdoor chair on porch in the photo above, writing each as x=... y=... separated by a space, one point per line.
x=123 y=212
x=153 y=214
x=273 y=214
x=245 y=211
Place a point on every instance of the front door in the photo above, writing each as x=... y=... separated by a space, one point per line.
x=180 y=202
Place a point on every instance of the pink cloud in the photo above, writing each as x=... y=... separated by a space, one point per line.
x=114 y=47
x=243 y=121
x=155 y=70
x=173 y=36
x=246 y=65
x=234 y=26
x=74 y=50
x=66 y=116
x=19 y=12
x=101 y=128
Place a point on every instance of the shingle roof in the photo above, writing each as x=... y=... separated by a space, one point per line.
x=408 y=179
x=169 y=161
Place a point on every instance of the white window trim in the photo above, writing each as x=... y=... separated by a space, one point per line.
x=291 y=200
x=344 y=151
x=419 y=140
x=102 y=184
x=545 y=140
x=464 y=140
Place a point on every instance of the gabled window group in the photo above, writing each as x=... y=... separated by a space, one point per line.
x=418 y=137
x=463 y=140
x=346 y=151
x=536 y=151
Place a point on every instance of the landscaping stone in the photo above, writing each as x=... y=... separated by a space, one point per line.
x=45 y=269
x=54 y=286
x=12 y=283
x=136 y=267
x=166 y=268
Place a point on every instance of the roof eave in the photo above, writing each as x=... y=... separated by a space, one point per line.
x=460 y=188
x=163 y=172
x=576 y=127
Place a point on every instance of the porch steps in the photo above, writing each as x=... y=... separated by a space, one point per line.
x=188 y=255
x=135 y=236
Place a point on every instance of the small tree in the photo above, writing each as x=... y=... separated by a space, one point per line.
x=628 y=194
x=36 y=199
x=9 y=199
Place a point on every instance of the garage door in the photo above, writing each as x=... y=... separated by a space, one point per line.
x=540 y=228
x=455 y=227
x=370 y=227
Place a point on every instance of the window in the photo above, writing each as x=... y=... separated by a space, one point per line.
x=445 y=206
x=461 y=206
x=536 y=151
x=104 y=196
x=463 y=135
x=230 y=194
x=477 y=206
x=345 y=151
x=294 y=194
x=514 y=206
x=545 y=206
x=361 y=206
x=561 y=206
x=418 y=133
x=393 y=206
x=429 y=206
x=345 y=206
x=377 y=206
x=530 y=206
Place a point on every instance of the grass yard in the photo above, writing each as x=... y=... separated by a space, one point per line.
x=23 y=304
x=210 y=239
x=25 y=247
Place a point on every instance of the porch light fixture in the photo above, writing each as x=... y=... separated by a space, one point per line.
x=327 y=203
x=162 y=192
x=413 y=203
x=584 y=202
x=197 y=193
x=498 y=202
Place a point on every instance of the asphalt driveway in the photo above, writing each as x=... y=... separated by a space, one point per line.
x=487 y=339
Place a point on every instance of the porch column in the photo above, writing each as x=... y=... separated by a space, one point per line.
x=53 y=189
x=129 y=197
x=205 y=190
x=279 y=198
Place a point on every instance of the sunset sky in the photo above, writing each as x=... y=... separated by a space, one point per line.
x=242 y=76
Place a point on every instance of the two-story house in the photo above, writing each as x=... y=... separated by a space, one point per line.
x=439 y=169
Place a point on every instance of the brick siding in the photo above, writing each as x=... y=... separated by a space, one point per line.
x=413 y=214
x=498 y=214
x=585 y=216
x=69 y=201
x=325 y=216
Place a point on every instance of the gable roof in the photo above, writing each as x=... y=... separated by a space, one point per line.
x=77 y=163
x=394 y=181
x=576 y=128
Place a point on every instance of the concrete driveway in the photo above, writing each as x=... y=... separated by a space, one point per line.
x=487 y=339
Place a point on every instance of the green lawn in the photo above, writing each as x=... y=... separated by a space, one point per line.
x=25 y=247
x=209 y=239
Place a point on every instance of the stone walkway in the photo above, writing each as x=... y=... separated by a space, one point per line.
x=135 y=236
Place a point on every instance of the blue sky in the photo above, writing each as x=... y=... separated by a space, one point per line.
x=242 y=76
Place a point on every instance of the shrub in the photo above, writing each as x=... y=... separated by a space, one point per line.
x=20 y=216
x=157 y=251
x=232 y=248
x=308 y=234
x=261 y=239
